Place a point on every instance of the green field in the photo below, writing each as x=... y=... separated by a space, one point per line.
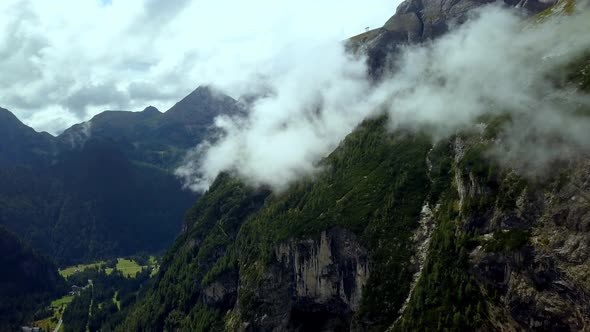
x=128 y=267
x=68 y=271
x=63 y=301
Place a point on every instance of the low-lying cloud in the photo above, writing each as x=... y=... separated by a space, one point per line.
x=317 y=100
x=496 y=63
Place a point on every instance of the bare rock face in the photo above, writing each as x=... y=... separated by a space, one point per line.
x=336 y=268
x=312 y=284
x=416 y=21
x=222 y=292
x=427 y=19
x=541 y=284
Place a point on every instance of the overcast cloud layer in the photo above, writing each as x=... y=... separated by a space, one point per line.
x=497 y=63
x=64 y=61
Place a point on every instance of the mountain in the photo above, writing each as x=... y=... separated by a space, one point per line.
x=397 y=233
x=103 y=188
x=27 y=282
x=159 y=139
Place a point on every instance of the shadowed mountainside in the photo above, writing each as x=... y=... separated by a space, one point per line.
x=103 y=188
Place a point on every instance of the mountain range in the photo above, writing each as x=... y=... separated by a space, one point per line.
x=103 y=188
x=399 y=231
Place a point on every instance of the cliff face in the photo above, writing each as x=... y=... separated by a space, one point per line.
x=417 y=21
x=533 y=240
x=311 y=285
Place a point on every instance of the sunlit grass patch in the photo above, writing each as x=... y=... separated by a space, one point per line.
x=68 y=271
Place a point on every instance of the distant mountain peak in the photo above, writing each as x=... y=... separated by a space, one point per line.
x=199 y=95
x=203 y=89
x=202 y=105
x=151 y=110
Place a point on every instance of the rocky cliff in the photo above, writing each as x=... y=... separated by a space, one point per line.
x=417 y=21
x=311 y=284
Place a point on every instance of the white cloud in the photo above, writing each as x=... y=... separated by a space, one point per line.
x=313 y=103
x=495 y=63
x=63 y=61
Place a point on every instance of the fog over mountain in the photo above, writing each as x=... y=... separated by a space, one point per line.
x=63 y=62
x=496 y=64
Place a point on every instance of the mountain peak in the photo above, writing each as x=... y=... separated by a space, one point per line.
x=200 y=94
x=204 y=89
x=203 y=103
x=151 y=110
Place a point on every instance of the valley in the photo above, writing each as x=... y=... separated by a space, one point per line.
x=111 y=284
x=430 y=174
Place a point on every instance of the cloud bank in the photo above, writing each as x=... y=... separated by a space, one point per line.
x=497 y=63
x=64 y=61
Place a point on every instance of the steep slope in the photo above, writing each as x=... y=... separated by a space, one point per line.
x=511 y=249
x=397 y=233
x=307 y=251
x=113 y=205
x=27 y=281
x=20 y=144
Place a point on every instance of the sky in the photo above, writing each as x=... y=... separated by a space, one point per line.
x=64 y=61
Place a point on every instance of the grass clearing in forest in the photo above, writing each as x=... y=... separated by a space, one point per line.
x=129 y=268
x=62 y=301
x=68 y=271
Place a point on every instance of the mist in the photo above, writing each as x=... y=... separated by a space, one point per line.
x=498 y=63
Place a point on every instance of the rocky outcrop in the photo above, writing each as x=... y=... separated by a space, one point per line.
x=421 y=238
x=427 y=19
x=312 y=284
x=533 y=257
x=222 y=292
x=416 y=21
